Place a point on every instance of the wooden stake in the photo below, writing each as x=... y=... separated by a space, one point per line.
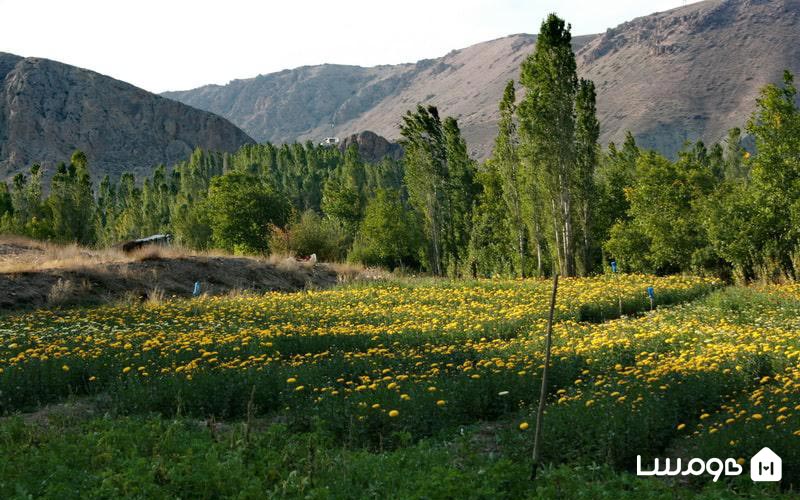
x=537 y=435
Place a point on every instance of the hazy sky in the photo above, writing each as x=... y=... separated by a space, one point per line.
x=174 y=45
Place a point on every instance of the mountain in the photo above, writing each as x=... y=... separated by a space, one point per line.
x=49 y=109
x=301 y=104
x=685 y=74
x=692 y=72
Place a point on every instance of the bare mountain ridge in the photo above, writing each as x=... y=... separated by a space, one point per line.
x=49 y=109
x=685 y=74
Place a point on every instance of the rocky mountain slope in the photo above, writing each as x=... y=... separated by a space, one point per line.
x=692 y=72
x=688 y=73
x=49 y=109
x=303 y=103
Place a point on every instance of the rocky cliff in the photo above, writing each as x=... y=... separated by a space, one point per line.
x=49 y=109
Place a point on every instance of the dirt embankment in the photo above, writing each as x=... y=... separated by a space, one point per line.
x=34 y=274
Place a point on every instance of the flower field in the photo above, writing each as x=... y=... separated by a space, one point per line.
x=379 y=367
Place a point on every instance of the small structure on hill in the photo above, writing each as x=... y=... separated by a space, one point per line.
x=156 y=239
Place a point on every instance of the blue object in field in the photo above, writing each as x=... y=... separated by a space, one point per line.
x=651 y=293
x=613 y=266
x=196 y=290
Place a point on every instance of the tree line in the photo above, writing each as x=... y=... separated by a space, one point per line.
x=548 y=199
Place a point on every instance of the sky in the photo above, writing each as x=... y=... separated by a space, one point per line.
x=179 y=44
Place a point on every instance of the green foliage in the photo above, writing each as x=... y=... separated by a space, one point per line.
x=191 y=226
x=156 y=458
x=440 y=178
x=776 y=176
x=587 y=133
x=241 y=209
x=310 y=234
x=495 y=249
x=616 y=171
x=663 y=234
x=71 y=202
x=558 y=153
x=343 y=197
x=389 y=236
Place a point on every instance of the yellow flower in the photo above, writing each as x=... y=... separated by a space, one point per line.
x=126 y=369
x=681 y=427
x=441 y=402
x=590 y=402
x=757 y=416
x=394 y=413
x=65 y=368
x=523 y=426
x=376 y=406
x=704 y=416
x=299 y=388
x=291 y=380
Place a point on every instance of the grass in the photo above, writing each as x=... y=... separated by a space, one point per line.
x=25 y=255
x=149 y=457
x=410 y=389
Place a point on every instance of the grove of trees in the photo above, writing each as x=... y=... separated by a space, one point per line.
x=548 y=199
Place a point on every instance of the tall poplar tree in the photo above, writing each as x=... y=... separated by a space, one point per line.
x=440 y=178
x=507 y=163
x=587 y=132
x=547 y=135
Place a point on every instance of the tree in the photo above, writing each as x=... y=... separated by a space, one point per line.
x=5 y=200
x=492 y=249
x=506 y=161
x=587 y=132
x=343 y=196
x=461 y=190
x=389 y=234
x=663 y=233
x=240 y=210
x=734 y=155
x=776 y=176
x=440 y=178
x=547 y=136
x=311 y=234
x=191 y=225
x=426 y=176
x=730 y=218
x=30 y=215
x=615 y=174
x=71 y=202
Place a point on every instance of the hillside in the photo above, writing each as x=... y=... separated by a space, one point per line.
x=49 y=109
x=37 y=274
x=300 y=104
x=692 y=72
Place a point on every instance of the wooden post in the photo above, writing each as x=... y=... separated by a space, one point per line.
x=537 y=435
